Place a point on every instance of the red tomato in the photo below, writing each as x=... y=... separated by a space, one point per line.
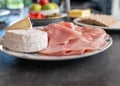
x=43 y=2
x=43 y=16
x=36 y=15
x=31 y=15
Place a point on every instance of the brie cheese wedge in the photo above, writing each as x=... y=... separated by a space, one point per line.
x=25 y=40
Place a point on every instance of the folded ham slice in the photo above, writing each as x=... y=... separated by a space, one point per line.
x=65 y=38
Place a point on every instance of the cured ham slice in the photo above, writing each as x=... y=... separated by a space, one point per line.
x=65 y=38
x=61 y=34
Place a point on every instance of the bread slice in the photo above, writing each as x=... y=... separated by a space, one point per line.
x=20 y=25
x=99 y=20
x=25 y=40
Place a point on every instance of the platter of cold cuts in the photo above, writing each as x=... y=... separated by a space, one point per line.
x=36 y=56
x=56 y=41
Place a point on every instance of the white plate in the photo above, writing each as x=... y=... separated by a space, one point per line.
x=46 y=21
x=4 y=12
x=35 y=56
x=114 y=27
x=50 y=12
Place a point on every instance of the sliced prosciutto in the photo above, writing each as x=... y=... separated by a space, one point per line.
x=65 y=38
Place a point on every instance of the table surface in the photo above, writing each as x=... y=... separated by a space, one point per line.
x=102 y=69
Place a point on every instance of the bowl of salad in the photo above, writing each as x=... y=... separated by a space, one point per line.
x=44 y=12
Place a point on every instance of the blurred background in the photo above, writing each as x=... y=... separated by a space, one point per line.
x=104 y=6
x=21 y=7
x=13 y=10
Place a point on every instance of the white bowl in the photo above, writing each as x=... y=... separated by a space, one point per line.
x=46 y=21
x=50 y=12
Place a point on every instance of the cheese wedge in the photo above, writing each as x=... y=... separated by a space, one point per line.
x=25 y=40
x=20 y=25
x=80 y=13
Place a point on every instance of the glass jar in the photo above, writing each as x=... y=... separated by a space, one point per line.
x=14 y=4
x=65 y=6
x=2 y=4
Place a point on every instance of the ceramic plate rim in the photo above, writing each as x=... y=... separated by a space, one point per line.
x=76 y=21
x=54 y=58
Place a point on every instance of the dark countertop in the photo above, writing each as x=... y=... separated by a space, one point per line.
x=97 y=70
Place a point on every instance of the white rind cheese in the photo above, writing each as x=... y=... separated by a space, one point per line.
x=25 y=40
